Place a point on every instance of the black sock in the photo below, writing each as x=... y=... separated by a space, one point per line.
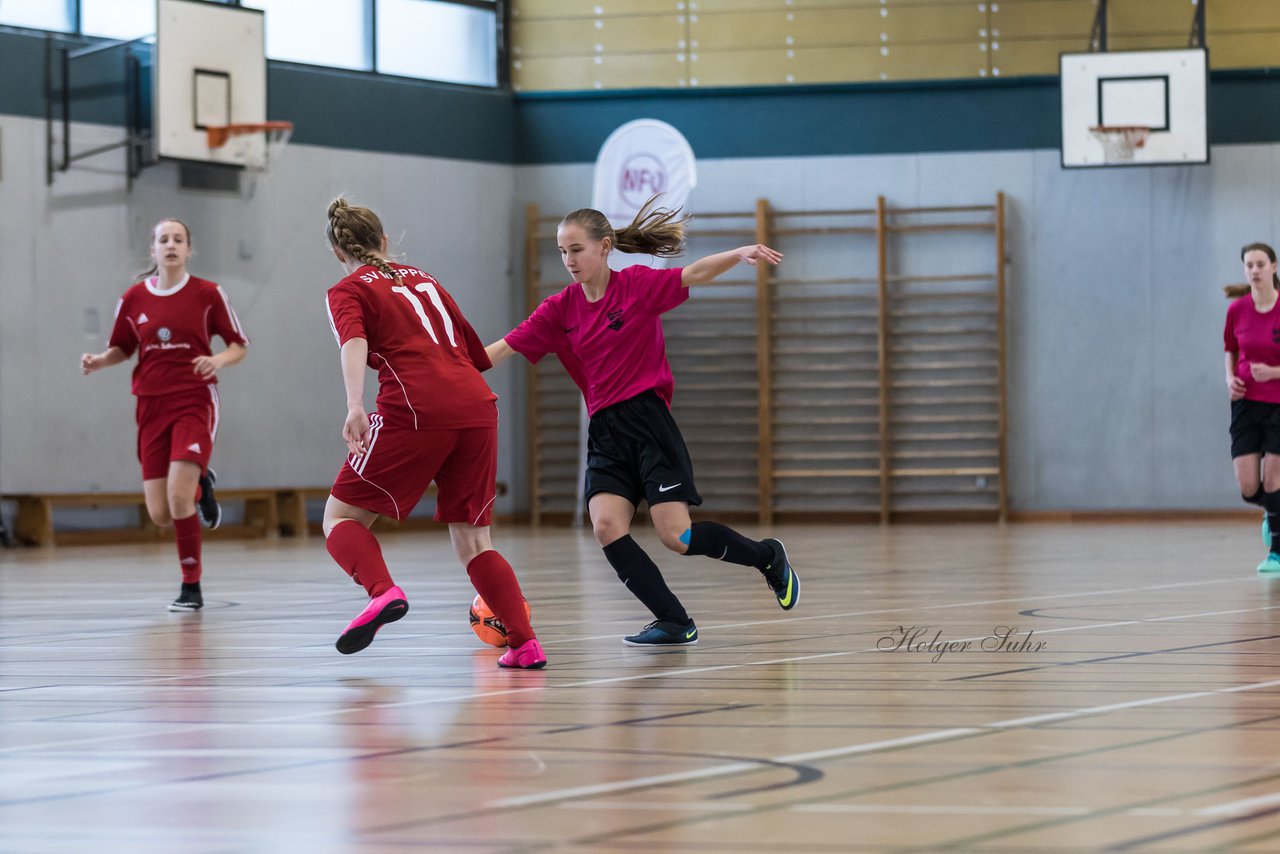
x=1271 y=501
x=1256 y=498
x=723 y=543
x=642 y=577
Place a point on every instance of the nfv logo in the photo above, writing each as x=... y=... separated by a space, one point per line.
x=643 y=175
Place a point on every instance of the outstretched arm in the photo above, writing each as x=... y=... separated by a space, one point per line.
x=499 y=350
x=705 y=269
x=91 y=362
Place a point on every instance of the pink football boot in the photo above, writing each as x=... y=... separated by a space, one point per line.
x=528 y=656
x=387 y=608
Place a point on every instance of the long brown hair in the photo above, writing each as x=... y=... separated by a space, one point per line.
x=1237 y=291
x=358 y=232
x=155 y=268
x=654 y=231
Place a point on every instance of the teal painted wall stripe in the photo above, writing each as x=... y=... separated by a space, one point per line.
x=794 y=122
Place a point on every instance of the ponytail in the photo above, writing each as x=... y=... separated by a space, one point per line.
x=358 y=232
x=654 y=231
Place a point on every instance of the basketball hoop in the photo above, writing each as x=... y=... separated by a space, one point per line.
x=1119 y=142
x=276 y=134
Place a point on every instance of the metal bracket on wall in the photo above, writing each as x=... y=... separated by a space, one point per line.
x=59 y=60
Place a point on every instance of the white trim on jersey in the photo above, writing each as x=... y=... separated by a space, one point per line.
x=403 y=390
x=231 y=313
x=359 y=461
x=217 y=413
x=119 y=304
x=153 y=282
x=476 y=521
x=328 y=309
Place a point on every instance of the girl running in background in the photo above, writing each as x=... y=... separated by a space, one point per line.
x=1252 y=341
x=436 y=419
x=169 y=318
x=606 y=329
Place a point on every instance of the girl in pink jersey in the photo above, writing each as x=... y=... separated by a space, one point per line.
x=169 y=318
x=1252 y=343
x=606 y=329
x=436 y=419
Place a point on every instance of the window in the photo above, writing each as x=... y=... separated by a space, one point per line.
x=438 y=41
x=317 y=32
x=58 y=15
x=118 y=19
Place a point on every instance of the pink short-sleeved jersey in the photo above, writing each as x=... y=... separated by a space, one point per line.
x=427 y=356
x=1255 y=336
x=169 y=329
x=613 y=348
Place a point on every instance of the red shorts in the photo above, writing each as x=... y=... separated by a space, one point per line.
x=178 y=426
x=391 y=477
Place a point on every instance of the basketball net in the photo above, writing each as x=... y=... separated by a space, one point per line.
x=237 y=139
x=1120 y=142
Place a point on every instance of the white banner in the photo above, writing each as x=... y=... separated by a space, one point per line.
x=639 y=159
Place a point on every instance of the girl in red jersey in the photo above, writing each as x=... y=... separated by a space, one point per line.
x=436 y=419
x=1252 y=342
x=169 y=318
x=606 y=329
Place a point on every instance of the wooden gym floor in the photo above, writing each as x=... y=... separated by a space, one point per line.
x=1143 y=713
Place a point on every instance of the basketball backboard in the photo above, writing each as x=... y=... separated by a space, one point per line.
x=211 y=71
x=1164 y=90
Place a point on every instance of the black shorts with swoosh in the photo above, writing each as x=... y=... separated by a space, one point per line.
x=635 y=450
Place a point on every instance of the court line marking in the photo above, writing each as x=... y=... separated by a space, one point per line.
x=659 y=674
x=865 y=747
x=1241 y=807
x=848 y=614
x=938 y=809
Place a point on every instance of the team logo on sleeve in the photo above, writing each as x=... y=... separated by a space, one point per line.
x=164 y=334
x=616 y=319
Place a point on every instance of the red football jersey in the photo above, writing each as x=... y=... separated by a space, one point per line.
x=427 y=356
x=169 y=329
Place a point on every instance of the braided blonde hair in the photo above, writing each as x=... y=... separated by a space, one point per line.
x=654 y=231
x=358 y=232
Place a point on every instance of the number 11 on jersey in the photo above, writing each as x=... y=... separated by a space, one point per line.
x=434 y=295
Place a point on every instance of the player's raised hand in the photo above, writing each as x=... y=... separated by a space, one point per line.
x=759 y=252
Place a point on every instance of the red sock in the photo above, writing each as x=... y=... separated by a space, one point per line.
x=188 y=535
x=357 y=551
x=495 y=581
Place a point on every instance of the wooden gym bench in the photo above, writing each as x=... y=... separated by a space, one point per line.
x=34 y=522
x=267 y=511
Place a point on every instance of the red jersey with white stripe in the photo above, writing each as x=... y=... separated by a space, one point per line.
x=169 y=329
x=427 y=356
